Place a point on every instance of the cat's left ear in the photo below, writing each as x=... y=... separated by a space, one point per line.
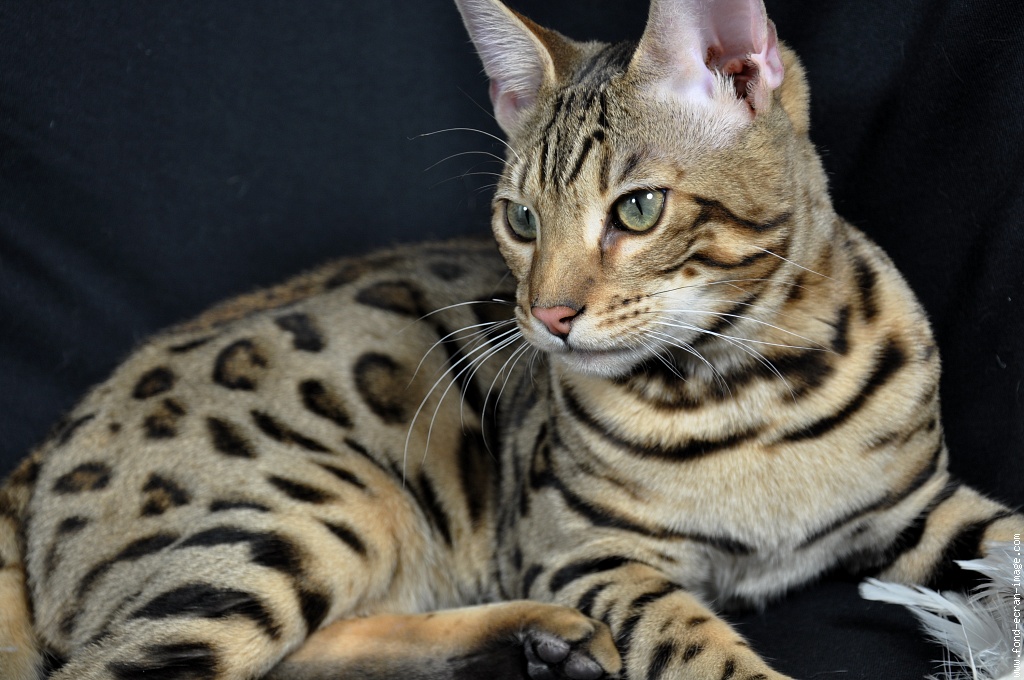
x=687 y=42
x=514 y=54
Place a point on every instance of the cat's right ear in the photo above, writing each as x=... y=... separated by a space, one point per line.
x=514 y=55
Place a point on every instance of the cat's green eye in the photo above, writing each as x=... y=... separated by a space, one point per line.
x=640 y=210
x=521 y=220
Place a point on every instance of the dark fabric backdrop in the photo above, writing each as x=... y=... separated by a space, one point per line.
x=157 y=157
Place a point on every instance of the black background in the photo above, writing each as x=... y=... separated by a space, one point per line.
x=158 y=157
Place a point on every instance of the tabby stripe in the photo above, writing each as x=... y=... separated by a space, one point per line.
x=435 y=512
x=692 y=651
x=715 y=210
x=301 y=492
x=663 y=655
x=891 y=361
x=204 y=601
x=890 y=500
x=278 y=432
x=530 y=577
x=67 y=527
x=642 y=601
x=133 y=551
x=222 y=506
x=314 y=607
x=177 y=661
x=348 y=537
x=583 y=568
x=586 y=601
x=581 y=159
x=365 y=453
x=709 y=261
x=265 y=549
x=726 y=319
x=729 y=670
x=344 y=475
x=966 y=545
x=911 y=536
x=545 y=135
x=474 y=475
x=841 y=337
x=604 y=517
x=604 y=174
x=624 y=638
x=867 y=281
x=694 y=448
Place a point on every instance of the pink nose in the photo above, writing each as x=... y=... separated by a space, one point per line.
x=557 y=319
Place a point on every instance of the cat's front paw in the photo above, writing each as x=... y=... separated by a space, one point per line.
x=565 y=644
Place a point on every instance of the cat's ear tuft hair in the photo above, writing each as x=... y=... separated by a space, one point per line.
x=691 y=46
x=514 y=56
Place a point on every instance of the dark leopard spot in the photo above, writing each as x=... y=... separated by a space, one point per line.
x=399 y=297
x=66 y=428
x=86 y=477
x=382 y=384
x=161 y=494
x=324 y=403
x=240 y=365
x=186 y=347
x=154 y=382
x=228 y=440
x=280 y=432
x=162 y=423
x=305 y=336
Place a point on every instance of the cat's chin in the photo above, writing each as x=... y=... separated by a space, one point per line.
x=608 y=364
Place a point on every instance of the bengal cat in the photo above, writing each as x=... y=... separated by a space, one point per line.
x=698 y=383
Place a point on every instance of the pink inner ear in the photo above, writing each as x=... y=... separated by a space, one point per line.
x=741 y=42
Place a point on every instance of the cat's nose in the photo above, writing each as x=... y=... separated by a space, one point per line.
x=557 y=319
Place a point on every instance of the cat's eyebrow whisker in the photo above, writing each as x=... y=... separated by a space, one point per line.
x=464 y=175
x=466 y=153
x=800 y=266
x=469 y=129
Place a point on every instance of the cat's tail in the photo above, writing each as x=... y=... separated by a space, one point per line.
x=20 y=655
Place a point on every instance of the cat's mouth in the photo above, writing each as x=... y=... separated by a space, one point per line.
x=607 y=363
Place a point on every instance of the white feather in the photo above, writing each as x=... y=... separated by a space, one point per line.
x=980 y=631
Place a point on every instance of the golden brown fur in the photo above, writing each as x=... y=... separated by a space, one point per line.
x=730 y=403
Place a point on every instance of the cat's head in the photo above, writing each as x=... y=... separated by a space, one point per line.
x=652 y=190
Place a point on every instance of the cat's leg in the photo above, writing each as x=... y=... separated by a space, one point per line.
x=517 y=640
x=661 y=630
x=954 y=523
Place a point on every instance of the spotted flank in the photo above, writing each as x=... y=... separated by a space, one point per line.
x=678 y=378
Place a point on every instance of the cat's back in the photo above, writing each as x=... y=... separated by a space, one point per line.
x=276 y=421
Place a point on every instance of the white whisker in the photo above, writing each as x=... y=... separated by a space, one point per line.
x=467 y=129
x=795 y=264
